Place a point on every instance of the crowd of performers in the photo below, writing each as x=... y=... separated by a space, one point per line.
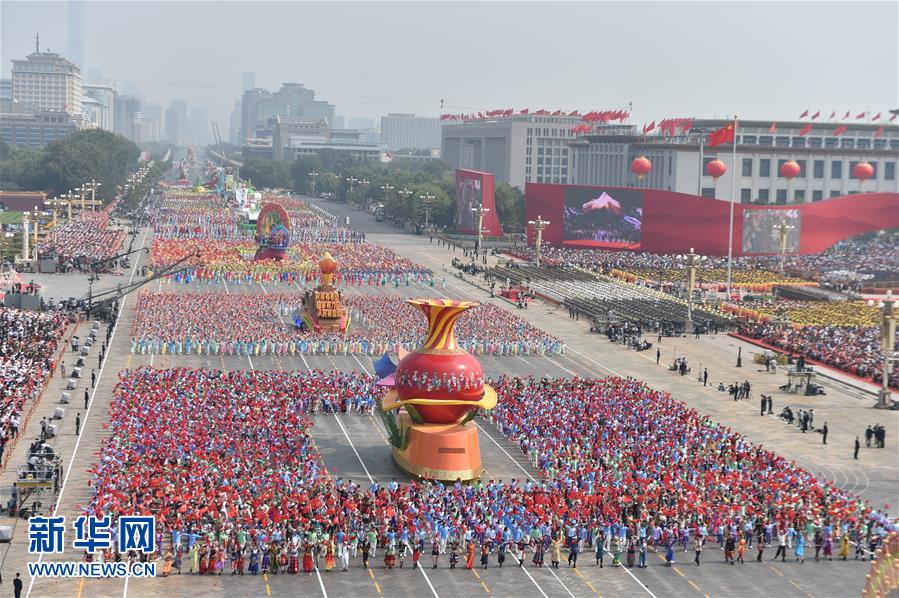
x=231 y=262
x=27 y=347
x=262 y=324
x=87 y=238
x=237 y=486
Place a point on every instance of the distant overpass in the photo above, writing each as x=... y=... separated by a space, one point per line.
x=218 y=155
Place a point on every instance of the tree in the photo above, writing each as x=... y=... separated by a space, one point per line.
x=299 y=173
x=266 y=173
x=510 y=207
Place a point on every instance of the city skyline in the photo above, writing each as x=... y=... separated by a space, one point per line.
x=712 y=73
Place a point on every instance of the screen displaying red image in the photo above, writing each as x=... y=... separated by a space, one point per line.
x=603 y=217
x=474 y=189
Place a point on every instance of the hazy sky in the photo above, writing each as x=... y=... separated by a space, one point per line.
x=703 y=59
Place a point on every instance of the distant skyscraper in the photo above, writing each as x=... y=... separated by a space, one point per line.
x=176 y=120
x=76 y=32
x=151 y=126
x=234 y=133
x=101 y=112
x=293 y=100
x=128 y=117
x=199 y=119
x=247 y=81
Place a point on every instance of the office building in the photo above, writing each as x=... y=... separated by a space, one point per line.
x=176 y=122
x=247 y=81
x=128 y=118
x=292 y=100
x=99 y=108
x=23 y=126
x=47 y=82
x=288 y=131
x=151 y=125
x=5 y=89
x=517 y=149
x=234 y=122
x=603 y=157
x=407 y=131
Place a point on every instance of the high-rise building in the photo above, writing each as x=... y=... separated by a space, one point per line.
x=75 y=50
x=200 y=127
x=407 y=131
x=128 y=119
x=22 y=125
x=247 y=81
x=176 y=122
x=234 y=122
x=517 y=149
x=151 y=127
x=5 y=89
x=825 y=161
x=47 y=82
x=292 y=100
x=100 y=112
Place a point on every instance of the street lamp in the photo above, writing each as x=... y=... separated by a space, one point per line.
x=784 y=229
x=364 y=183
x=352 y=181
x=480 y=211
x=887 y=345
x=539 y=225
x=387 y=188
x=313 y=174
x=692 y=260
x=427 y=199
x=405 y=193
x=93 y=189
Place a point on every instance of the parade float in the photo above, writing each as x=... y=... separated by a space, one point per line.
x=272 y=232
x=322 y=309
x=433 y=395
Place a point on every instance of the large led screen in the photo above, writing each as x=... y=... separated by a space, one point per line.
x=762 y=230
x=475 y=189
x=603 y=217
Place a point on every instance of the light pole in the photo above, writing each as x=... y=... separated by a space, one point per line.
x=480 y=211
x=427 y=199
x=36 y=214
x=784 y=230
x=313 y=174
x=352 y=182
x=387 y=188
x=887 y=345
x=6 y=239
x=93 y=188
x=692 y=261
x=364 y=183
x=26 y=249
x=539 y=225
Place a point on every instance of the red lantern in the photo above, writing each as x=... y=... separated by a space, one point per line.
x=716 y=169
x=789 y=169
x=641 y=166
x=863 y=171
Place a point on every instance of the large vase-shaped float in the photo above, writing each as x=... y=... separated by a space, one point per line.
x=438 y=389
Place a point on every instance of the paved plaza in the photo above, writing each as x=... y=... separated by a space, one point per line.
x=357 y=448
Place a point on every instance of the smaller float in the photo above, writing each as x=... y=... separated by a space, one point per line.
x=322 y=309
x=272 y=232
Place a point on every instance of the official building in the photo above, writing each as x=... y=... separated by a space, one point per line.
x=826 y=161
x=407 y=131
x=517 y=149
x=47 y=82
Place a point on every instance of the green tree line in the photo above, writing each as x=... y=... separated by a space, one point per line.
x=68 y=163
x=334 y=169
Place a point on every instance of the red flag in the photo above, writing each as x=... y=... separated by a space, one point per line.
x=840 y=130
x=860 y=115
x=649 y=127
x=575 y=113
x=557 y=113
x=772 y=128
x=876 y=117
x=816 y=115
x=833 y=115
x=878 y=132
x=805 y=130
x=892 y=118
x=845 y=116
x=721 y=136
x=523 y=111
x=804 y=114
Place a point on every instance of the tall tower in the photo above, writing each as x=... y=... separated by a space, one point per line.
x=76 y=32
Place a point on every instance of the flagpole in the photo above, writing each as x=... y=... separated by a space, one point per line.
x=730 y=229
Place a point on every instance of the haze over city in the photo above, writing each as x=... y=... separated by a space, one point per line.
x=701 y=59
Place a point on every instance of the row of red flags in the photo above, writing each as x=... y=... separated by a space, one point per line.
x=592 y=116
x=846 y=116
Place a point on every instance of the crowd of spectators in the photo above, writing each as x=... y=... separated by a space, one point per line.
x=28 y=345
x=856 y=350
x=84 y=240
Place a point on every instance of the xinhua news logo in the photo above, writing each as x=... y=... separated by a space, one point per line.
x=46 y=535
